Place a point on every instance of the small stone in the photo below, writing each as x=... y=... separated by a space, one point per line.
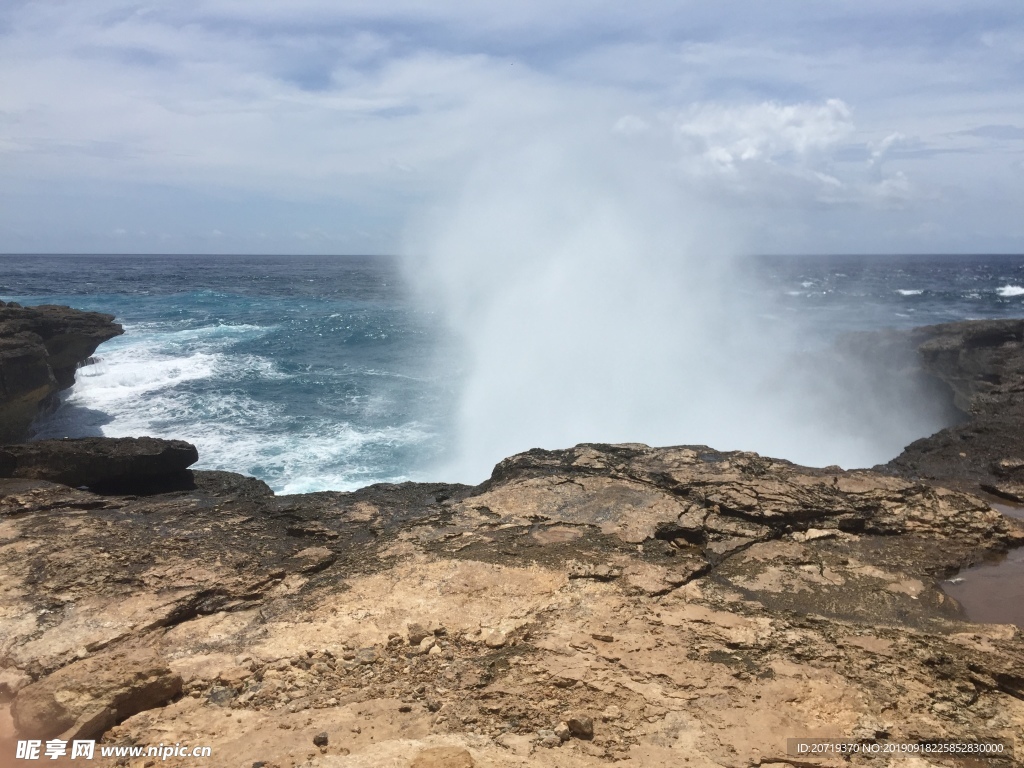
x=581 y=727
x=547 y=738
x=417 y=633
x=435 y=650
x=235 y=676
x=405 y=708
x=494 y=638
x=356 y=729
x=562 y=731
x=320 y=740
x=426 y=644
x=611 y=712
x=602 y=638
x=367 y=655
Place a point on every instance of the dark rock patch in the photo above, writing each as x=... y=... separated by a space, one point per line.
x=126 y=464
x=40 y=349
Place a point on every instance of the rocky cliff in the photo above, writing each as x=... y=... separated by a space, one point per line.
x=40 y=348
x=596 y=605
x=982 y=364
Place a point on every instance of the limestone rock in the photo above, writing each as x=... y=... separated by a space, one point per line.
x=85 y=698
x=98 y=462
x=40 y=348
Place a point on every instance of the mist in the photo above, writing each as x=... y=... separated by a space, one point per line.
x=597 y=296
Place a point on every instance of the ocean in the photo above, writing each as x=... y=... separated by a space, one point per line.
x=316 y=373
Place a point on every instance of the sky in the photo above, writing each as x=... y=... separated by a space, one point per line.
x=326 y=126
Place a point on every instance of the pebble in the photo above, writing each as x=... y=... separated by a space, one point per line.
x=611 y=712
x=320 y=740
x=581 y=727
x=548 y=738
x=494 y=638
x=417 y=633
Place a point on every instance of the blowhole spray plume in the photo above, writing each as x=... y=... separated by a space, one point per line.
x=596 y=299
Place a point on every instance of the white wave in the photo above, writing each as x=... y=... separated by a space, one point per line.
x=1008 y=291
x=323 y=457
x=909 y=292
x=159 y=337
x=138 y=387
x=125 y=375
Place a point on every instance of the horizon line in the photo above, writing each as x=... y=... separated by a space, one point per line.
x=830 y=255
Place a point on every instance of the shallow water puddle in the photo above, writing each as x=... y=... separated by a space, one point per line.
x=993 y=592
x=1008 y=510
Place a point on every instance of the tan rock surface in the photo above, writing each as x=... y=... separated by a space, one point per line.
x=695 y=607
x=85 y=698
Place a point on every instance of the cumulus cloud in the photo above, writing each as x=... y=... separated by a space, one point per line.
x=725 y=136
x=360 y=112
x=765 y=148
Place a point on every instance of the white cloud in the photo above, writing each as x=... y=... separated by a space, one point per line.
x=367 y=109
x=726 y=137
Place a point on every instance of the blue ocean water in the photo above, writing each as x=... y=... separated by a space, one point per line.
x=309 y=373
x=317 y=373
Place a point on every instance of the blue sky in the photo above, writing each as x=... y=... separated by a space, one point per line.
x=251 y=126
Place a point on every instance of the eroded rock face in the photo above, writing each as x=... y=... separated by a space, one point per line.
x=99 y=462
x=982 y=363
x=597 y=604
x=40 y=348
x=83 y=699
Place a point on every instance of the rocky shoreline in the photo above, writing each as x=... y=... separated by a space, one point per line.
x=604 y=603
x=40 y=349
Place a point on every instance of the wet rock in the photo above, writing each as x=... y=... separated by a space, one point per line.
x=981 y=363
x=40 y=348
x=85 y=698
x=105 y=463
